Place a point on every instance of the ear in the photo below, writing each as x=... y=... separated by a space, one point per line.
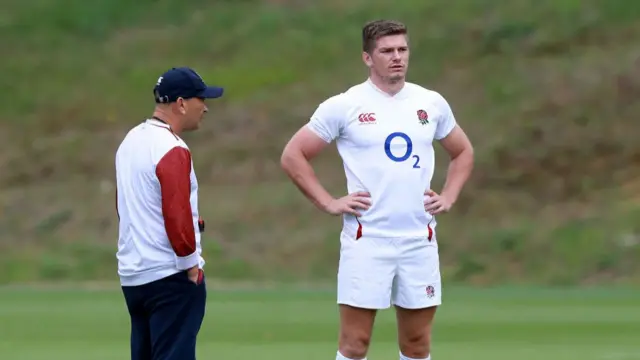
x=182 y=108
x=366 y=58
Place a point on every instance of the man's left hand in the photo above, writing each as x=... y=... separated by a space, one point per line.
x=436 y=204
x=195 y=274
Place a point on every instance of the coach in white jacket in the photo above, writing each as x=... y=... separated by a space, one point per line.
x=159 y=252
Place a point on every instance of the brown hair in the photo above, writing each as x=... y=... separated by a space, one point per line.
x=374 y=30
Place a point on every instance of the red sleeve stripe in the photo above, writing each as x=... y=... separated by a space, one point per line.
x=174 y=174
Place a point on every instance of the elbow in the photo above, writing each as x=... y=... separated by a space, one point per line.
x=470 y=153
x=287 y=159
x=469 y=159
x=467 y=151
x=466 y=156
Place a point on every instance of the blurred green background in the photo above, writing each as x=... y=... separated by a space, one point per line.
x=547 y=91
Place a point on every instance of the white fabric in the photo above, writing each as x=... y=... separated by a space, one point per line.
x=339 y=356
x=144 y=251
x=389 y=255
x=387 y=152
x=375 y=273
x=402 y=357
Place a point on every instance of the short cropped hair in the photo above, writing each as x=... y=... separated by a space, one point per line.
x=374 y=30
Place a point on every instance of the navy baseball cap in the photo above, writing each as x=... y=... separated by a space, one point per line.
x=183 y=82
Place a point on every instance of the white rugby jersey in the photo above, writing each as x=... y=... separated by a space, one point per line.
x=157 y=205
x=386 y=144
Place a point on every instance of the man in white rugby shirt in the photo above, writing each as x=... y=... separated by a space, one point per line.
x=384 y=129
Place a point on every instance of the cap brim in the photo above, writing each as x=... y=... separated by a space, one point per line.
x=211 y=92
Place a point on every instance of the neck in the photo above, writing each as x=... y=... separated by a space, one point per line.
x=388 y=86
x=168 y=118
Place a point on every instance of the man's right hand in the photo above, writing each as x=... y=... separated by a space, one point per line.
x=349 y=204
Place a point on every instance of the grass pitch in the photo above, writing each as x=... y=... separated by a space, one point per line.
x=478 y=324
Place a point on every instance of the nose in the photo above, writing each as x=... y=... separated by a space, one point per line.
x=206 y=108
x=396 y=55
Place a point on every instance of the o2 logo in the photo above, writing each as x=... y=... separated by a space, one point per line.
x=408 y=151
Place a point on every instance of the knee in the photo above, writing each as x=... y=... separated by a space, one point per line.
x=416 y=346
x=354 y=345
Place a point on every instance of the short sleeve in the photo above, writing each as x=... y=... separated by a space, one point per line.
x=446 y=120
x=329 y=118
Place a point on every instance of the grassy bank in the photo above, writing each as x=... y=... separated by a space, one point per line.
x=546 y=89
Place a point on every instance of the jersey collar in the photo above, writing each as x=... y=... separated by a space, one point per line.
x=158 y=123
x=402 y=94
x=161 y=124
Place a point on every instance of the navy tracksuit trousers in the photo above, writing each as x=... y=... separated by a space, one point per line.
x=166 y=316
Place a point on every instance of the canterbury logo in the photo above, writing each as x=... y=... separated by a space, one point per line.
x=367 y=117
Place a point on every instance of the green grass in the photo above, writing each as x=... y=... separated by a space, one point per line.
x=547 y=91
x=482 y=324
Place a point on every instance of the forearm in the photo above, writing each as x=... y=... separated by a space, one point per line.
x=457 y=175
x=173 y=172
x=298 y=168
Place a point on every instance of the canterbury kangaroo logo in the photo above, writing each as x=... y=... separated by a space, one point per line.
x=367 y=117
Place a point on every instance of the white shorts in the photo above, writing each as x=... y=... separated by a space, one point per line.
x=375 y=273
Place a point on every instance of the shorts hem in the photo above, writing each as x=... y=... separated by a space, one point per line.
x=361 y=306
x=418 y=306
